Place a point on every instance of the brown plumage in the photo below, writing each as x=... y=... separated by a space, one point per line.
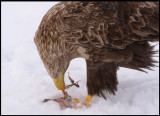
x=107 y=34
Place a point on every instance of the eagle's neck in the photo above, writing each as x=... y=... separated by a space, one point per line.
x=65 y=50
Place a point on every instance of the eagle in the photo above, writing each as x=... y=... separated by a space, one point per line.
x=108 y=35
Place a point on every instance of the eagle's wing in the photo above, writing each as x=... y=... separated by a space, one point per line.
x=111 y=24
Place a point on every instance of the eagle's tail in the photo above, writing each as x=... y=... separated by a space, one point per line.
x=142 y=57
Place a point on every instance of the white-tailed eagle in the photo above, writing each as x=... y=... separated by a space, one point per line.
x=107 y=35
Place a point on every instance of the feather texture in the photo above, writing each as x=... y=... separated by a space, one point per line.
x=107 y=34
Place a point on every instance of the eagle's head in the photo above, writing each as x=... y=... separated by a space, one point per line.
x=57 y=71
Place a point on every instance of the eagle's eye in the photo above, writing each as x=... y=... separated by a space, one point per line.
x=58 y=70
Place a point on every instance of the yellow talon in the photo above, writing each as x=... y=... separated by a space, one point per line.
x=75 y=100
x=88 y=100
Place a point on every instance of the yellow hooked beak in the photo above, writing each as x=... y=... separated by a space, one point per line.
x=59 y=80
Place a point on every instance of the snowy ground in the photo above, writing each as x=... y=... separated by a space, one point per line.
x=25 y=82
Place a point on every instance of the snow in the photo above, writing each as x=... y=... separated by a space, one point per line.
x=25 y=82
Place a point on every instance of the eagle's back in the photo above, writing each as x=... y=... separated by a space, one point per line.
x=102 y=24
x=111 y=24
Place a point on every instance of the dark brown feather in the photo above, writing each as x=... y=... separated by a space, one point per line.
x=116 y=21
x=101 y=78
x=141 y=58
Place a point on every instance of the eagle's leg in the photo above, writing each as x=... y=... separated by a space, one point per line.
x=101 y=79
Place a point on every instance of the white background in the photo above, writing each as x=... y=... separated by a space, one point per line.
x=25 y=82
